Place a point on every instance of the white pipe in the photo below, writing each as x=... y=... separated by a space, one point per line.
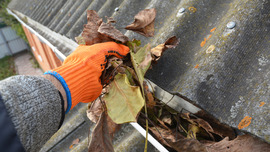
x=151 y=139
x=59 y=54
x=62 y=57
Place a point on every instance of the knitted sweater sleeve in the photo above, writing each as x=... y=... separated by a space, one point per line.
x=35 y=107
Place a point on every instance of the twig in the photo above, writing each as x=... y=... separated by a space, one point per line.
x=108 y=77
x=146 y=123
x=152 y=124
x=183 y=128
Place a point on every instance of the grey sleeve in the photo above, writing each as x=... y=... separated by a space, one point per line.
x=35 y=108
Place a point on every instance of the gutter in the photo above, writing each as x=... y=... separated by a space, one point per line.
x=59 y=54
x=62 y=57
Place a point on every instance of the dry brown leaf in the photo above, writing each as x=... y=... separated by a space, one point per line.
x=158 y=50
x=94 y=112
x=108 y=30
x=144 y=22
x=167 y=119
x=172 y=42
x=244 y=143
x=176 y=141
x=206 y=126
x=201 y=123
x=185 y=116
x=110 y=20
x=149 y=96
x=219 y=128
x=162 y=124
x=90 y=33
x=188 y=145
x=102 y=135
x=164 y=134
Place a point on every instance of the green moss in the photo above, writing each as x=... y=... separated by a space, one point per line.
x=7 y=67
x=10 y=20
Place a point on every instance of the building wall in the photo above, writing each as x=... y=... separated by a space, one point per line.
x=42 y=52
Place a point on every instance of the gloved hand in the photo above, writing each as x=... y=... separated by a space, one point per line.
x=80 y=72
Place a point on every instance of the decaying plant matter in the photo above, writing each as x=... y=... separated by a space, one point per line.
x=125 y=94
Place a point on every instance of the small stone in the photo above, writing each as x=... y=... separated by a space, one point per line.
x=116 y=9
x=231 y=25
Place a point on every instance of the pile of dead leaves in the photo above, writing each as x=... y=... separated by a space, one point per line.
x=123 y=97
x=185 y=132
x=125 y=93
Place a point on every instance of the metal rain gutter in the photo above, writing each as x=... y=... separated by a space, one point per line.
x=59 y=54
x=62 y=57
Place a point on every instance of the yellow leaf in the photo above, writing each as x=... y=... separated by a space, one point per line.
x=141 y=61
x=192 y=131
x=123 y=101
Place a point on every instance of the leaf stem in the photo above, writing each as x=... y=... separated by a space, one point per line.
x=153 y=125
x=146 y=122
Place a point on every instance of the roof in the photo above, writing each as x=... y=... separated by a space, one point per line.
x=221 y=64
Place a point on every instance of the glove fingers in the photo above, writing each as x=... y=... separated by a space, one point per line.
x=115 y=49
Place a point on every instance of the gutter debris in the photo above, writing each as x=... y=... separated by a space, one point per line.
x=126 y=90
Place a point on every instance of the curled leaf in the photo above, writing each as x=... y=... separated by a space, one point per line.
x=158 y=50
x=108 y=30
x=172 y=42
x=244 y=143
x=144 y=22
x=206 y=126
x=177 y=141
x=110 y=20
x=149 y=96
x=167 y=119
x=94 y=112
x=90 y=34
x=202 y=124
x=123 y=101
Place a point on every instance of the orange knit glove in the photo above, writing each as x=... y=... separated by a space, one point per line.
x=80 y=73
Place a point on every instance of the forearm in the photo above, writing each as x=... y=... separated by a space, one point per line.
x=35 y=107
